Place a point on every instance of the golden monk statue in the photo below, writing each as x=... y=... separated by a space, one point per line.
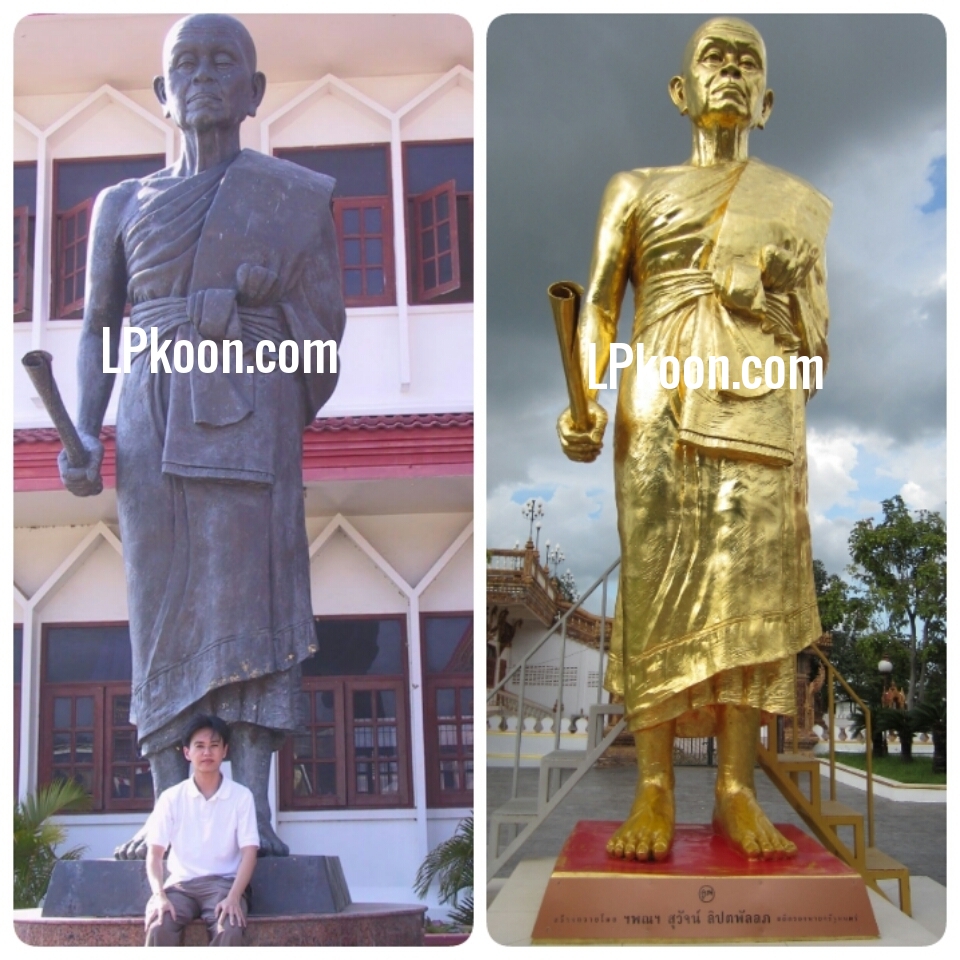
x=725 y=257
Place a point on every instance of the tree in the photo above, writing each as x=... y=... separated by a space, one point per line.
x=901 y=563
x=451 y=864
x=35 y=839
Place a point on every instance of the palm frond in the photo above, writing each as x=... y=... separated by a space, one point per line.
x=450 y=864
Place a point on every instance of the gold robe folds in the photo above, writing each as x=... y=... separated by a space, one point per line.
x=716 y=585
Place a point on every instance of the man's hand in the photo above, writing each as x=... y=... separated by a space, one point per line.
x=583 y=446
x=229 y=909
x=156 y=906
x=83 y=481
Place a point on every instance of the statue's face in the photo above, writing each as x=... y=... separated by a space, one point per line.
x=209 y=78
x=724 y=82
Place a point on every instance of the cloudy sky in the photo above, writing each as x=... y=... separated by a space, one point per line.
x=859 y=113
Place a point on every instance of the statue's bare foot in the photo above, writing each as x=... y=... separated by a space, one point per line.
x=270 y=844
x=134 y=849
x=648 y=832
x=738 y=817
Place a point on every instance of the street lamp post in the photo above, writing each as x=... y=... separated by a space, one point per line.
x=884 y=668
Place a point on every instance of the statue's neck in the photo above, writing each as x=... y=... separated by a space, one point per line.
x=713 y=145
x=211 y=148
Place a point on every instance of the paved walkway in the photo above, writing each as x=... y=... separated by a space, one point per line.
x=913 y=833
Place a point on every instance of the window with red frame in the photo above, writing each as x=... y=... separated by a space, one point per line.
x=363 y=217
x=76 y=185
x=438 y=187
x=24 y=209
x=85 y=729
x=353 y=750
x=447 y=643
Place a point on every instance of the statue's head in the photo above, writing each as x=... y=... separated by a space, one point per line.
x=210 y=76
x=724 y=78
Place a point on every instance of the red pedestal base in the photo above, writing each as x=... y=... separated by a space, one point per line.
x=704 y=890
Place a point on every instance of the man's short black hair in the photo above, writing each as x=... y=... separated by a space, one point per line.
x=203 y=721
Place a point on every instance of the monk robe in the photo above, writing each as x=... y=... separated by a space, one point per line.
x=209 y=480
x=716 y=586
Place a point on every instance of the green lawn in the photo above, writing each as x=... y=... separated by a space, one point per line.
x=919 y=771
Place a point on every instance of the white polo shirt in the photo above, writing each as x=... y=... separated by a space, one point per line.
x=205 y=836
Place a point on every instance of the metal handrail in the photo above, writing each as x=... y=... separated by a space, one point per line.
x=560 y=625
x=833 y=674
x=561 y=622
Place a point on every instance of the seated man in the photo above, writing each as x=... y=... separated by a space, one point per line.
x=210 y=825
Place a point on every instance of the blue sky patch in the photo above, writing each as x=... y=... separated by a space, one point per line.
x=937 y=178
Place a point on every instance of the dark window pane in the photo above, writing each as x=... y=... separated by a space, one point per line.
x=121 y=785
x=143 y=783
x=389 y=777
x=375 y=284
x=466 y=734
x=79 y=180
x=387 y=704
x=81 y=253
x=25 y=186
x=324 y=701
x=362 y=705
x=83 y=748
x=373 y=251
x=446 y=268
x=352 y=283
x=359 y=171
x=364 y=778
x=62 y=747
x=466 y=701
x=446 y=703
x=449 y=775
x=429 y=275
x=82 y=223
x=68 y=291
x=326 y=779
x=121 y=711
x=363 y=740
x=123 y=746
x=326 y=745
x=84 y=776
x=443 y=211
x=76 y=654
x=79 y=286
x=427 y=245
x=426 y=213
x=468 y=775
x=449 y=644
x=84 y=712
x=70 y=226
x=447 y=738
x=351 y=221
x=62 y=714
x=430 y=164
x=351 y=253
x=17 y=653
x=357 y=648
x=68 y=260
x=303 y=747
x=372 y=220
x=302 y=783
x=387 y=741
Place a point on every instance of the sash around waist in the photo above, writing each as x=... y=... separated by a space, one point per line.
x=736 y=420
x=166 y=314
x=219 y=425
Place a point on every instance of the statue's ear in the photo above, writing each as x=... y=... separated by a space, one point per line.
x=766 y=109
x=678 y=94
x=259 y=82
x=160 y=89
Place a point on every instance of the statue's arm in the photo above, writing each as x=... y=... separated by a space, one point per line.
x=609 y=271
x=809 y=303
x=105 y=296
